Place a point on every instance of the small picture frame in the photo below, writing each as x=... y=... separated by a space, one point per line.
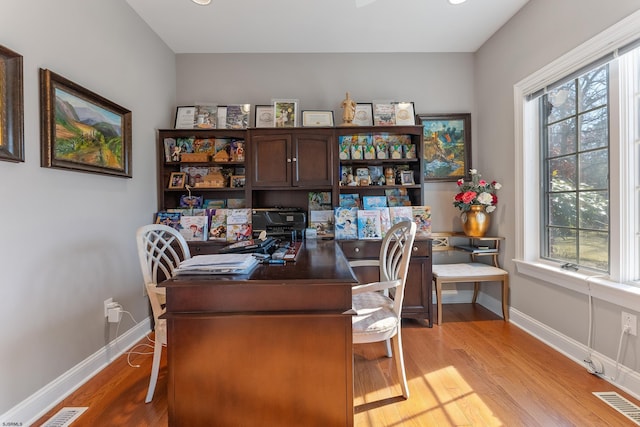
x=236 y=181
x=317 y=118
x=177 y=180
x=206 y=116
x=406 y=178
x=405 y=114
x=363 y=115
x=221 y=116
x=285 y=113
x=185 y=117
x=384 y=113
x=264 y=116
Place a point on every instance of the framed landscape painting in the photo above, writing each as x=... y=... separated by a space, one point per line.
x=81 y=130
x=447 y=146
x=11 y=106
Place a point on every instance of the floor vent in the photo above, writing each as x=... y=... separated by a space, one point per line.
x=620 y=404
x=64 y=417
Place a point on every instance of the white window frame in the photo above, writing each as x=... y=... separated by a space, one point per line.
x=528 y=182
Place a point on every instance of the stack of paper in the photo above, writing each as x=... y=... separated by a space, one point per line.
x=218 y=264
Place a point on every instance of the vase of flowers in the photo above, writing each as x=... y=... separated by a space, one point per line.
x=476 y=199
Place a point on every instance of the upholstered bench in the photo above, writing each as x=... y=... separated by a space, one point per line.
x=470 y=272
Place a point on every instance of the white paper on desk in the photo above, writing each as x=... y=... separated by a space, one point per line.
x=217 y=259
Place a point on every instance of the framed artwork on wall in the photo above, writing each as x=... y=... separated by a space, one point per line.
x=81 y=130
x=11 y=106
x=447 y=146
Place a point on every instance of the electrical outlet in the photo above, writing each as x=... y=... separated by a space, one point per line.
x=631 y=321
x=107 y=302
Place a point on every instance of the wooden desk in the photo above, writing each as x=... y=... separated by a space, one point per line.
x=265 y=349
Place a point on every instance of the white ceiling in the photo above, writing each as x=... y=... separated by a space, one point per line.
x=327 y=26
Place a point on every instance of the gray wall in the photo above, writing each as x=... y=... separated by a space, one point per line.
x=541 y=32
x=67 y=238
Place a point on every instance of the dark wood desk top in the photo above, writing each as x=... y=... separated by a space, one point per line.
x=320 y=279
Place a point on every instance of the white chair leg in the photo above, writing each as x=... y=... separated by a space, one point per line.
x=387 y=345
x=397 y=347
x=155 y=368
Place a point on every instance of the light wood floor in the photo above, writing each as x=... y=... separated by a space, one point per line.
x=474 y=370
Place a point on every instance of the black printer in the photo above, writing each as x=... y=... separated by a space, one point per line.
x=282 y=223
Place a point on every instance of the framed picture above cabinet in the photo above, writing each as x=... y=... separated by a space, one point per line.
x=447 y=146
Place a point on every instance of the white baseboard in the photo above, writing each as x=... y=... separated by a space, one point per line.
x=35 y=406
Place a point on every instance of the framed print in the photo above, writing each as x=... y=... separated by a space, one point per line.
x=221 y=116
x=384 y=113
x=177 y=180
x=264 y=116
x=405 y=115
x=238 y=116
x=11 y=106
x=317 y=118
x=236 y=181
x=206 y=116
x=447 y=146
x=81 y=130
x=363 y=115
x=185 y=117
x=406 y=177
x=285 y=113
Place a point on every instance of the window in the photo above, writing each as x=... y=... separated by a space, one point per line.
x=574 y=141
x=578 y=207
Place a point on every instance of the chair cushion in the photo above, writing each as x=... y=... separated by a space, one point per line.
x=466 y=269
x=374 y=313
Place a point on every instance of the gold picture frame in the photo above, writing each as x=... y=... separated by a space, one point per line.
x=177 y=180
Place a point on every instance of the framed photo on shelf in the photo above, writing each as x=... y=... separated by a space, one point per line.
x=236 y=181
x=11 y=106
x=104 y=147
x=177 y=180
x=205 y=116
x=363 y=115
x=264 y=116
x=185 y=117
x=221 y=116
x=317 y=118
x=238 y=116
x=406 y=177
x=285 y=113
x=384 y=113
x=405 y=115
x=447 y=146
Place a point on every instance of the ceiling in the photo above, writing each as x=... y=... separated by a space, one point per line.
x=325 y=26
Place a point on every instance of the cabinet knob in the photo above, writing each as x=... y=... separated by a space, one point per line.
x=288 y=160
x=356 y=250
x=295 y=159
x=415 y=248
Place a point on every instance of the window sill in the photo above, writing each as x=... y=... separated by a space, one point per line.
x=624 y=295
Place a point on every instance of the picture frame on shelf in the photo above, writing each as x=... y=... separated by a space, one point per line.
x=406 y=177
x=185 y=117
x=221 y=116
x=384 y=113
x=238 y=116
x=177 y=180
x=405 y=114
x=11 y=106
x=285 y=113
x=264 y=116
x=317 y=118
x=447 y=146
x=236 y=181
x=72 y=147
x=206 y=116
x=364 y=114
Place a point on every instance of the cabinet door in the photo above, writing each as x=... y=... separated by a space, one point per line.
x=271 y=160
x=312 y=161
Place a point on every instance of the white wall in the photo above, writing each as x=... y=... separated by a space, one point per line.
x=67 y=238
x=541 y=32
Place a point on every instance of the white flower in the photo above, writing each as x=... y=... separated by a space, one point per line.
x=489 y=209
x=497 y=186
x=473 y=171
x=485 y=198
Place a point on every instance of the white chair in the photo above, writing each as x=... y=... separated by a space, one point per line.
x=160 y=249
x=378 y=305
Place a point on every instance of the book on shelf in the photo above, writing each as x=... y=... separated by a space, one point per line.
x=322 y=221
x=350 y=200
x=400 y=213
x=218 y=224
x=369 y=225
x=320 y=200
x=346 y=223
x=236 y=203
x=238 y=225
x=422 y=218
x=385 y=220
x=374 y=202
x=172 y=219
x=397 y=197
x=476 y=249
x=194 y=228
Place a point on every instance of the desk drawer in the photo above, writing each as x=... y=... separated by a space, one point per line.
x=363 y=249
